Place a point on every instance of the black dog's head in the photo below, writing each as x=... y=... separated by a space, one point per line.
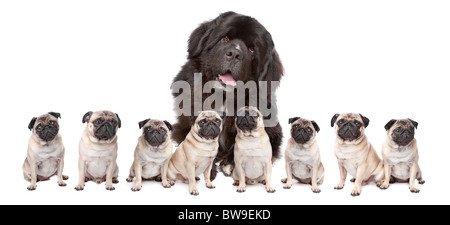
x=155 y=132
x=232 y=48
x=303 y=130
x=401 y=131
x=45 y=127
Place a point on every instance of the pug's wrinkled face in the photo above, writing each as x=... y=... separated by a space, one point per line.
x=302 y=130
x=155 y=132
x=208 y=124
x=349 y=126
x=248 y=118
x=102 y=125
x=45 y=127
x=401 y=131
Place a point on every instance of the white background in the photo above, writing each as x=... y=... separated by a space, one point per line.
x=383 y=59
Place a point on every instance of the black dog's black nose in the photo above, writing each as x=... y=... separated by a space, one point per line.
x=233 y=53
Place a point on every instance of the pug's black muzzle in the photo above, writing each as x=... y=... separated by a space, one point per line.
x=349 y=132
x=48 y=133
x=404 y=137
x=209 y=130
x=246 y=123
x=105 y=131
x=155 y=137
x=301 y=135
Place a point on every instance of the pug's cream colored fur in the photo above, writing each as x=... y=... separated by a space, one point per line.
x=44 y=158
x=303 y=161
x=97 y=158
x=195 y=155
x=401 y=163
x=357 y=157
x=151 y=161
x=253 y=156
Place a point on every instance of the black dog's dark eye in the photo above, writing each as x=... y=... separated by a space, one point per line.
x=225 y=39
x=252 y=50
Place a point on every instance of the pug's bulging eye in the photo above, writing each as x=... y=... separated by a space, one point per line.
x=162 y=130
x=147 y=129
x=202 y=121
x=225 y=39
x=52 y=122
x=97 y=122
x=39 y=127
x=357 y=122
x=296 y=126
x=340 y=122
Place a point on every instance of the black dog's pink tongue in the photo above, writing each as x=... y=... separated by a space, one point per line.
x=227 y=79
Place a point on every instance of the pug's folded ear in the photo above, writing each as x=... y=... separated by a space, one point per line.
x=333 y=120
x=143 y=122
x=389 y=124
x=87 y=116
x=293 y=119
x=168 y=125
x=119 y=121
x=316 y=127
x=55 y=114
x=415 y=124
x=365 y=120
x=32 y=122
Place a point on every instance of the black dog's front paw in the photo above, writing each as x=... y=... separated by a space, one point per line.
x=227 y=169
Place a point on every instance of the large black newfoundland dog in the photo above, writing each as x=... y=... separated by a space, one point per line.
x=229 y=49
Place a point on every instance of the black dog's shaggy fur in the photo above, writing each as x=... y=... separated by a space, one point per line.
x=239 y=46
